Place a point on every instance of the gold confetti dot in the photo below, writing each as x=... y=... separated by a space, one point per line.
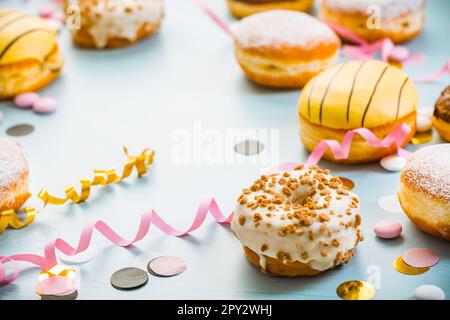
x=348 y=183
x=402 y=267
x=356 y=290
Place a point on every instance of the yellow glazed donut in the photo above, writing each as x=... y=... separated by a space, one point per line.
x=284 y=49
x=425 y=189
x=369 y=94
x=399 y=20
x=243 y=8
x=13 y=176
x=29 y=55
x=297 y=223
x=441 y=116
x=115 y=23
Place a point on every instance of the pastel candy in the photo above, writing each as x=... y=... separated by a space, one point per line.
x=44 y=105
x=426 y=112
x=429 y=292
x=423 y=124
x=26 y=100
x=393 y=162
x=388 y=229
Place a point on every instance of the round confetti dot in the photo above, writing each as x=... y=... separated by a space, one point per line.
x=129 y=278
x=249 y=147
x=20 y=130
x=356 y=290
x=167 y=266
x=402 y=267
x=388 y=229
x=44 y=105
x=26 y=100
x=57 y=285
x=426 y=112
x=423 y=124
x=67 y=296
x=390 y=204
x=348 y=183
x=420 y=257
x=429 y=292
x=393 y=162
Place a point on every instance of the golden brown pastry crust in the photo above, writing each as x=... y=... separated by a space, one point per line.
x=241 y=9
x=442 y=127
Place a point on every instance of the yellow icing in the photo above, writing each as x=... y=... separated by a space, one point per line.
x=381 y=94
x=24 y=37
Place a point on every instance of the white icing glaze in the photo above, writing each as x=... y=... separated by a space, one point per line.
x=281 y=27
x=261 y=230
x=121 y=18
x=389 y=8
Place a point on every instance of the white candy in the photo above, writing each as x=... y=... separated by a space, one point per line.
x=429 y=292
x=426 y=112
x=393 y=162
x=423 y=124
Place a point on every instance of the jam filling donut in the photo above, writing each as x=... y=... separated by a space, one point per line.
x=13 y=176
x=425 y=189
x=243 y=8
x=283 y=48
x=297 y=223
x=357 y=94
x=115 y=23
x=441 y=115
x=29 y=55
x=399 y=20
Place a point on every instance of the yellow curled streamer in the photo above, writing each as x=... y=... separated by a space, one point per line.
x=9 y=218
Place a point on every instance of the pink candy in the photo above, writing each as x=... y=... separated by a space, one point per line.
x=44 y=105
x=26 y=100
x=388 y=229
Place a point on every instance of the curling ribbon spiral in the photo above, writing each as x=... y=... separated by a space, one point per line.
x=101 y=178
x=397 y=137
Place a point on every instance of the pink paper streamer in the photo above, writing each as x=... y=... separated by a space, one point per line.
x=341 y=151
x=147 y=219
x=445 y=69
x=214 y=17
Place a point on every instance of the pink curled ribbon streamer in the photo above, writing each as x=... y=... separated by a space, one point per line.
x=214 y=17
x=147 y=219
x=445 y=69
x=364 y=50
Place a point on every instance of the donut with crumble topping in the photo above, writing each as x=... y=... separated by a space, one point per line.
x=297 y=223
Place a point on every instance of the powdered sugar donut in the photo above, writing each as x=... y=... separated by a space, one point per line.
x=115 y=23
x=282 y=48
x=297 y=223
x=425 y=189
x=399 y=20
x=13 y=176
x=243 y=8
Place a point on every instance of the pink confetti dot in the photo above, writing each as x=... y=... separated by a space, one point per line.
x=46 y=12
x=26 y=100
x=420 y=257
x=44 y=105
x=57 y=285
x=167 y=266
x=388 y=229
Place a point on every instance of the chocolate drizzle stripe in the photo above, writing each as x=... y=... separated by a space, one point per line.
x=373 y=93
x=309 y=96
x=328 y=88
x=400 y=98
x=353 y=88
x=11 y=22
x=20 y=36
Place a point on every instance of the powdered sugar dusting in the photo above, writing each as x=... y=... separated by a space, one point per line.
x=428 y=169
x=281 y=27
x=389 y=8
x=12 y=163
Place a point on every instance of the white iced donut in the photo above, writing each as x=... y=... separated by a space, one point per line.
x=295 y=223
x=114 y=23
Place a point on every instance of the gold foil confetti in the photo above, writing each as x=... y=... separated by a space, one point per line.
x=402 y=267
x=348 y=183
x=422 y=137
x=356 y=290
x=101 y=178
x=57 y=270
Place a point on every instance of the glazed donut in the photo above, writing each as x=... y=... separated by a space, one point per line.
x=399 y=20
x=243 y=8
x=297 y=223
x=29 y=55
x=284 y=49
x=115 y=23
x=441 y=115
x=425 y=189
x=13 y=176
x=368 y=94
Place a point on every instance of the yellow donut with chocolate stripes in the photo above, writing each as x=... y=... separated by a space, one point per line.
x=357 y=94
x=29 y=54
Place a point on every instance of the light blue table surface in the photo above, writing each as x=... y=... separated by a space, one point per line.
x=164 y=88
